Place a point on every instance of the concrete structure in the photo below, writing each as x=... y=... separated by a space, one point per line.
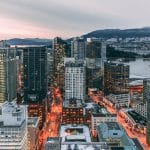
x=75 y=133
x=120 y=100
x=74 y=112
x=141 y=108
x=97 y=119
x=75 y=77
x=53 y=143
x=116 y=83
x=147 y=99
x=33 y=133
x=114 y=135
x=8 y=74
x=78 y=48
x=13 y=127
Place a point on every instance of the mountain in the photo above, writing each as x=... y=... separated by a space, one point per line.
x=29 y=41
x=118 y=33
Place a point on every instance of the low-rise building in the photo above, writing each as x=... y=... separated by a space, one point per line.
x=77 y=137
x=74 y=112
x=13 y=127
x=120 y=100
x=53 y=143
x=97 y=119
x=115 y=136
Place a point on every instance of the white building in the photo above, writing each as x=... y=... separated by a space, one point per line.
x=53 y=143
x=75 y=133
x=13 y=127
x=120 y=100
x=75 y=77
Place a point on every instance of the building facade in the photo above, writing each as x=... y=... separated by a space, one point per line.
x=78 y=48
x=116 y=83
x=75 y=77
x=8 y=74
x=95 y=57
x=13 y=127
x=147 y=99
x=35 y=74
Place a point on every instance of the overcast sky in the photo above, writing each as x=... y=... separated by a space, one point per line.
x=50 y=18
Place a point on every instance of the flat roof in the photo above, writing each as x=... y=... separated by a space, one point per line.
x=84 y=146
x=53 y=139
x=33 y=121
x=74 y=133
x=73 y=103
x=113 y=126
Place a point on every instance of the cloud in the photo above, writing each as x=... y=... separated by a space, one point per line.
x=69 y=17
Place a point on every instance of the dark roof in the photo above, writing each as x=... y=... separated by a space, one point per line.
x=137 y=143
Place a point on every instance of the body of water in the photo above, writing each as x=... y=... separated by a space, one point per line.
x=139 y=68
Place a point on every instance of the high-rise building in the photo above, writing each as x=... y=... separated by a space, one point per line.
x=75 y=76
x=13 y=127
x=116 y=83
x=50 y=65
x=61 y=50
x=95 y=53
x=78 y=48
x=95 y=57
x=147 y=99
x=8 y=74
x=35 y=74
x=35 y=81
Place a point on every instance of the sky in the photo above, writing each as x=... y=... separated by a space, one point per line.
x=67 y=18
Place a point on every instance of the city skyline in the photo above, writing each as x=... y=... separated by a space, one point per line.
x=49 y=18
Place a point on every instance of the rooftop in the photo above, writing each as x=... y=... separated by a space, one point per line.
x=97 y=109
x=73 y=103
x=119 y=135
x=33 y=121
x=53 y=140
x=84 y=146
x=75 y=133
x=136 y=82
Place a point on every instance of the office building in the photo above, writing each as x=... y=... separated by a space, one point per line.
x=100 y=115
x=50 y=66
x=75 y=77
x=35 y=74
x=13 y=127
x=95 y=57
x=77 y=137
x=73 y=112
x=8 y=74
x=141 y=108
x=60 y=48
x=116 y=83
x=115 y=136
x=147 y=99
x=35 y=81
x=78 y=48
